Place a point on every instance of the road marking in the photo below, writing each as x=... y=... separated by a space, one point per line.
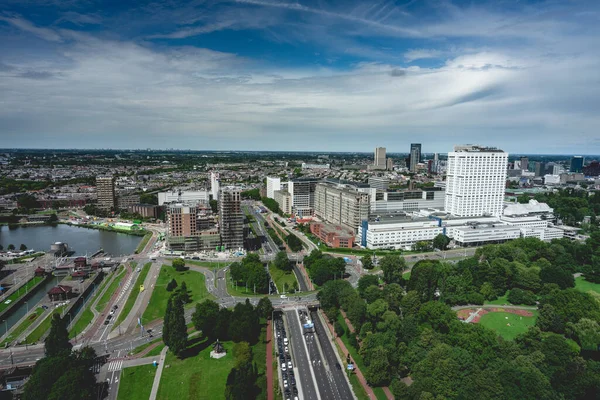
x=115 y=365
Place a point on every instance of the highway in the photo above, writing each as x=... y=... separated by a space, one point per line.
x=302 y=362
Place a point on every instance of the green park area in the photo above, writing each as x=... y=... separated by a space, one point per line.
x=160 y=296
x=135 y=291
x=356 y=357
x=20 y=292
x=585 y=286
x=506 y=324
x=196 y=377
x=112 y=288
x=136 y=382
x=237 y=290
x=31 y=318
x=42 y=328
x=284 y=280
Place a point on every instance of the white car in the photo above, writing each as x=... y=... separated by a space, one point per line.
x=290 y=365
x=283 y=296
x=285 y=384
x=283 y=368
x=286 y=349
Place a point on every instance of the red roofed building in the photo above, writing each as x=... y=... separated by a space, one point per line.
x=60 y=292
x=333 y=235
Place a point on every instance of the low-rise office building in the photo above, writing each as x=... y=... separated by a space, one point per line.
x=335 y=236
x=341 y=205
x=407 y=200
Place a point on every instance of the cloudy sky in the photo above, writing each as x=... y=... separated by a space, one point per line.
x=301 y=75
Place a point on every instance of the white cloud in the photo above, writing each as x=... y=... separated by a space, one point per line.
x=44 y=33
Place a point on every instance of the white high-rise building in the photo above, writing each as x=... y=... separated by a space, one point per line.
x=476 y=178
x=273 y=184
x=215 y=185
x=380 y=158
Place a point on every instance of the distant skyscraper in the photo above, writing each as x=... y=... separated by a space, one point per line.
x=231 y=219
x=415 y=156
x=476 y=178
x=105 y=192
x=215 y=185
x=540 y=168
x=524 y=164
x=380 y=159
x=576 y=164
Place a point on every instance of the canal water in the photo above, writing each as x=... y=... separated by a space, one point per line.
x=80 y=240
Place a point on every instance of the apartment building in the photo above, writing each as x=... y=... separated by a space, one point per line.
x=273 y=184
x=183 y=196
x=231 y=218
x=476 y=178
x=341 y=205
x=105 y=192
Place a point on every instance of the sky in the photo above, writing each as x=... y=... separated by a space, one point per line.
x=318 y=75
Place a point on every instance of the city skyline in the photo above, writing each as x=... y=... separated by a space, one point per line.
x=282 y=76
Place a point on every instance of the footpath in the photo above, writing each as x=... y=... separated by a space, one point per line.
x=363 y=382
x=270 y=394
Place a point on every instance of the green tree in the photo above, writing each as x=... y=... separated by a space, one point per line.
x=378 y=372
x=264 y=308
x=441 y=242
x=205 y=318
x=520 y=296
x=367 y=262
x=424 y=279
x=339 y=329
x=293 y=242
x=22 y=247
x=178 y=264
x=57 y=342
x=586 y=332
x=184 y=293
x=178 y=330
x=282 y=261
x=392 y=266
x=365 y=281
x=10 y=247
x=171 y=285
x=214 y=206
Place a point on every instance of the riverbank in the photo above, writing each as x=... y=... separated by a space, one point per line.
x=140 y=232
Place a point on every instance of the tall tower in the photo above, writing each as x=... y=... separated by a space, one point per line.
x=576 y=164
x=524 y=163
x=215 y=185
x=415 y=156
x=380 y=159
x=475 y=182
x=105 y=192
x=231 y=219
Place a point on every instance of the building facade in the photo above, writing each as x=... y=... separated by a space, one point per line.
x=273 y=184
x=415 y=156
x=302 y=192
x=183 y=196
x=475 y=181
x=182 y=220
x=341 y=205
x=215 y=185
x=145 y=210
x=576 y=164
x=334 y=236
x=284 y=199
x=407 y=200
x=231 y=219
x=380 y=157
x=128 y=200
x=105 y=191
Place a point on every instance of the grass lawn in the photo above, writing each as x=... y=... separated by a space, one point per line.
x=143 y=243
x=259 y=356
x=32 y=317
x=158 y=302
x=135 y=291
x=114 y=286
x=136 y=382
x=142 y=347
x=84 y=320
x=284 y=280
x=379 y=393
x=208 y=264
x=584 y=286
x=239 y=291
x=38 y=332
x=20 y=292
x=498 y=321
x=155 y=352
x=196 y=377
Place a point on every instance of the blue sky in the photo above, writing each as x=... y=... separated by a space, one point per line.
x=307 y=75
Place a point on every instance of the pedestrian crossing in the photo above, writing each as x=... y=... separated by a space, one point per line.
x=116 y=365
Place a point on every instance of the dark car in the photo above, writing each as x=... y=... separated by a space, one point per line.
x=106 y=322
x=338 y=366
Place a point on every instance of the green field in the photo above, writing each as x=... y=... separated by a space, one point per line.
x=32 y=317
x=208 y=264
x=259 y=357
x=584 y=286
x=158 y=302
x=114 y=285
x=38 y=332
x=281 y=278
x=142 y=347
x=135 y=291
x=199 y=377
x=21 y=291
x=136 y=382
x=84 y=320
x=498 y=321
